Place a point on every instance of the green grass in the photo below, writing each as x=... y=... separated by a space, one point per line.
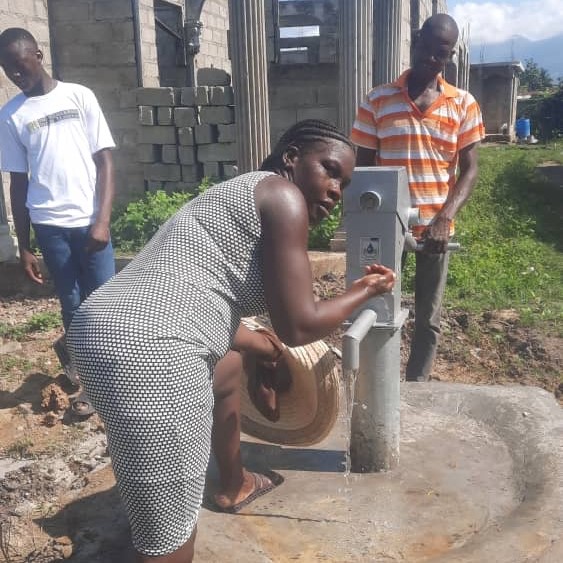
x=39 y=322
x=512 y=239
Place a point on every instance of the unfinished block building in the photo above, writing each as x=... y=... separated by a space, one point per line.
x=195 y=88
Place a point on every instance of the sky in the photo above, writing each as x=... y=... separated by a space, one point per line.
x=496 y=21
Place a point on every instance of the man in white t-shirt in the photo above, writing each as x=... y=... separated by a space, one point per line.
x=54 y=142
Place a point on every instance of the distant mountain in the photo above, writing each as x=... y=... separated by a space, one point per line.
x=547 y=53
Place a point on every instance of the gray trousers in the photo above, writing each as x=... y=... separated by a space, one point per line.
x=430 y=283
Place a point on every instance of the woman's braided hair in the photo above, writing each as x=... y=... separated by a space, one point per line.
x=301 y=135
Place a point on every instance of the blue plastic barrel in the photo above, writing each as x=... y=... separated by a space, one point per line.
x=523 y=129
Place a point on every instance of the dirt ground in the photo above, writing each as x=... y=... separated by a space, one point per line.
x=50 y=463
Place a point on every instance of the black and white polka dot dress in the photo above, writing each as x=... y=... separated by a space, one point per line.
x=145 y=345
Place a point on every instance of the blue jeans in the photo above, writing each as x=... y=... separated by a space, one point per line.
x=75 y=273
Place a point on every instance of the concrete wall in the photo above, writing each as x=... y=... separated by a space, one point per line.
x=33 y=16
x=95 y=45
x=301 y=92
x=214 y=51
x=424 y=11
x=147 y=53
x=406 y=35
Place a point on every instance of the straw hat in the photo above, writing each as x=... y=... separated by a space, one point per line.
x=309 y=409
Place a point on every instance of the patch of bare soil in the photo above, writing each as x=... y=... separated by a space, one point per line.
x=57 y=493
x=488 y=348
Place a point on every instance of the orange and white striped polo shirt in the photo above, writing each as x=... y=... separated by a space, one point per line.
x=427 y=144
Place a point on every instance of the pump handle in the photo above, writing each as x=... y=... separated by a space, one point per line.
x=412 y=245
x=451 y=247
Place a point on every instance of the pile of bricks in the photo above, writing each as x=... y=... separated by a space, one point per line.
x=187 y=134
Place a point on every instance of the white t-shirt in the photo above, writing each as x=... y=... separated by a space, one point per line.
x=52 y=138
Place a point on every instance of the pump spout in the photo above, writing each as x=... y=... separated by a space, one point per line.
x=354 y=336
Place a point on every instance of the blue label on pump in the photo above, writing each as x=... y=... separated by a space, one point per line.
x=369 y=250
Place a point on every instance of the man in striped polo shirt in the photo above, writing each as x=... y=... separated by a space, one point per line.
x=430 y=127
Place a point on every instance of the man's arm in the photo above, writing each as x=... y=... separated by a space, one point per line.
x=438 y=232
x=18 y=196
x=105 y=189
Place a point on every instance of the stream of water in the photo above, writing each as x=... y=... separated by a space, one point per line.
x=349 y=377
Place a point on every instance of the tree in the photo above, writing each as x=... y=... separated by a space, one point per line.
x=545 y=112
x=535 y=78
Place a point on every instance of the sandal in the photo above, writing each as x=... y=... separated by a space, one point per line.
x=269 y=378
x=80 y=405
x=263 y=483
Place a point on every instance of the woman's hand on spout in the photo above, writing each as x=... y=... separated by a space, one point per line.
x=378 y=279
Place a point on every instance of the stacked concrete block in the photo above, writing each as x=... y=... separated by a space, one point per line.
x=158 y=136
x=170 y=154
x=221 y=96
x=195 y=96
x=215 y=115
x=165 y=115
x=192 y=128
x=147 y=153
x=206 y=134
x=185 y=117
x=210 y=76
x=226 y=133
x=147 y=115
x=187 y=156
x=160 y=97
x=215 y=136
x=186 y=134
x=162 y=172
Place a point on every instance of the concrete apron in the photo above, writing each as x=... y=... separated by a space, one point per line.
x=480 y=480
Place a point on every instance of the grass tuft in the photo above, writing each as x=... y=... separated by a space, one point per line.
x=39 y=322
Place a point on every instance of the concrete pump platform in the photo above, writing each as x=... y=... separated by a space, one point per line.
x=480 y=480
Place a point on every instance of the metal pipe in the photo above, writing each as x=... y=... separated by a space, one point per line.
x=353 y=337
x=192 y=29
x=137 y=40
x=376 y=416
